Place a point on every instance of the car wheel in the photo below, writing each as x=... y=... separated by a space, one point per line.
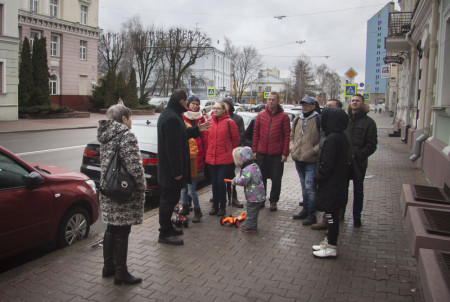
x=74 y=227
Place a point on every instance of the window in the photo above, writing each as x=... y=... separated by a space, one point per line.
x=54 y=46
x=2 y=73
x=12 y=175
x=83 y=14
x=54 y=8
x=34 y=6
x=53 y=84
x=83 y=46
x=1 y=19
x=34 y=35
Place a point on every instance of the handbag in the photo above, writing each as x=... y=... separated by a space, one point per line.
x=117 y=184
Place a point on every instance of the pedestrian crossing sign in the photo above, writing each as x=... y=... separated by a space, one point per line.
x=266 y=94
x=211 y=91
x=350 y=90
x=366 y=96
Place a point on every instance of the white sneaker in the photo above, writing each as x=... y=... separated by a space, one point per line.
x=328 y=252
x=321 y=245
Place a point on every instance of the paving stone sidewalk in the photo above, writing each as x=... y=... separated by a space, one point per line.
x=220 y=263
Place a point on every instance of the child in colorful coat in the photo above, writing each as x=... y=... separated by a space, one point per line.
x=251 y=179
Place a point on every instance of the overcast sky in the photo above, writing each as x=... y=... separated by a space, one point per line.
x=333 y=28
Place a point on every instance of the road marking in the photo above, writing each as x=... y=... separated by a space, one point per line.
x=50 y=150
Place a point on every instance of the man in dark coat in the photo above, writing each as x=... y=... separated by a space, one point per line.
x=362 y=134
x=331 y=177
x=241 y=128
x=173 y=162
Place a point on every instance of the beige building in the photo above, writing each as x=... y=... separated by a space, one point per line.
x=72 y=33
x=9 y=60
x=418 y=42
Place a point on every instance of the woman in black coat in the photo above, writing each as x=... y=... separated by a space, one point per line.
x=331 y=177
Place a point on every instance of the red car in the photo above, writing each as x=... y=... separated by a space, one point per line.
x=42 y=203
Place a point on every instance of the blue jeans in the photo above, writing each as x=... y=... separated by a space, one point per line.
x=306 y=173
x=190 y=189
x=218 y=174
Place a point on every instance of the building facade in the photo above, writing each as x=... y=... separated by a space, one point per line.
x=71 y=30
x=211 y=70
x=377 y=30
x=9 y=60
x=419 y=37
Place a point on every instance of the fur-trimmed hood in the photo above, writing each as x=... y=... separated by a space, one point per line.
x=366 y=108
x=242 y=156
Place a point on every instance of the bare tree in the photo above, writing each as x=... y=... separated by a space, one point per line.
x=111 y=48
x=147 y=49
x=328 y=81
x=304 y=83
x=182 y=47
x=245 y=67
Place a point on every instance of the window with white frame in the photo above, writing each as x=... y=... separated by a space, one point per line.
x=83 y=47
x=1 y=18
x=54 y=45
x=83 y=14
x=2 y=73
x=34 y=35
x=54 y=8
x=53 y=84
x=34 y=6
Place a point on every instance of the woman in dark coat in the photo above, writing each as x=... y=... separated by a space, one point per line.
x=120 y=215
x=331 y=177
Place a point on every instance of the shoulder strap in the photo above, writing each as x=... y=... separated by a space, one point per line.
x=318 y=122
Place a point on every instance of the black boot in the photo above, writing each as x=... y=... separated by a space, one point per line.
x=122 y=276
x=222 y=209
x=197 y=215
x=311 y=219
x=302 y=215
x=214 y=209
x=108 y=255
x=235 y=203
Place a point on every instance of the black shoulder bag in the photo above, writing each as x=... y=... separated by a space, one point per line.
x=117 y=184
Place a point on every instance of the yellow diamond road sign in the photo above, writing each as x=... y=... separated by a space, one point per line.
x=351 y=73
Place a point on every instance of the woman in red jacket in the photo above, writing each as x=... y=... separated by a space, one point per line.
x=223 y=138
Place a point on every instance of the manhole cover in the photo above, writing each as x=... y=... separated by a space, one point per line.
x=443 y=259
x=436 y=222
x=429 y=194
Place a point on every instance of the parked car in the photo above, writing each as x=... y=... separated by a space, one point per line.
x=247 y=117
x=257 y=107
x=206 y=106
x=41 y=203
x=292 y=113
x=159 y=102
x=147 y=136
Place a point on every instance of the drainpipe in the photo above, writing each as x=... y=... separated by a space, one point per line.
x=430 y=81
x=412 y=80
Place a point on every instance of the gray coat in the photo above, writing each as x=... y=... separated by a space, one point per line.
x=130 y=212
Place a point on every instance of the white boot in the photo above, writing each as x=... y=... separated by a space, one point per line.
x=321 y=245
x=328 y=252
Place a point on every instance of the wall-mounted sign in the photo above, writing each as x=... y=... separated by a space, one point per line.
x=385 y=71
x=393 y=59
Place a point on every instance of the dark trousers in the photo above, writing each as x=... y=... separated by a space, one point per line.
x=122 y=231
x=271 y=168
x=231 y=176
x=169 y=198
x=358 y=195
x=218 y=174
x=333 y=227
x=252 y=215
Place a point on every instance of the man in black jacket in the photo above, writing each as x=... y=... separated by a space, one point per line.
x=362 y=134
x=173 y=162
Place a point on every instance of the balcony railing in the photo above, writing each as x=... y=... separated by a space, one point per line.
x=399 y=24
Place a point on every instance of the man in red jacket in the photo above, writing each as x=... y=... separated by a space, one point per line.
x=270 y=145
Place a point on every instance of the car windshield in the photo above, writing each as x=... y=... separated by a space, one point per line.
x=246 y=119
x=145 y=134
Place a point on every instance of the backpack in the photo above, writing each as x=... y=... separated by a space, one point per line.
x=317 y=122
